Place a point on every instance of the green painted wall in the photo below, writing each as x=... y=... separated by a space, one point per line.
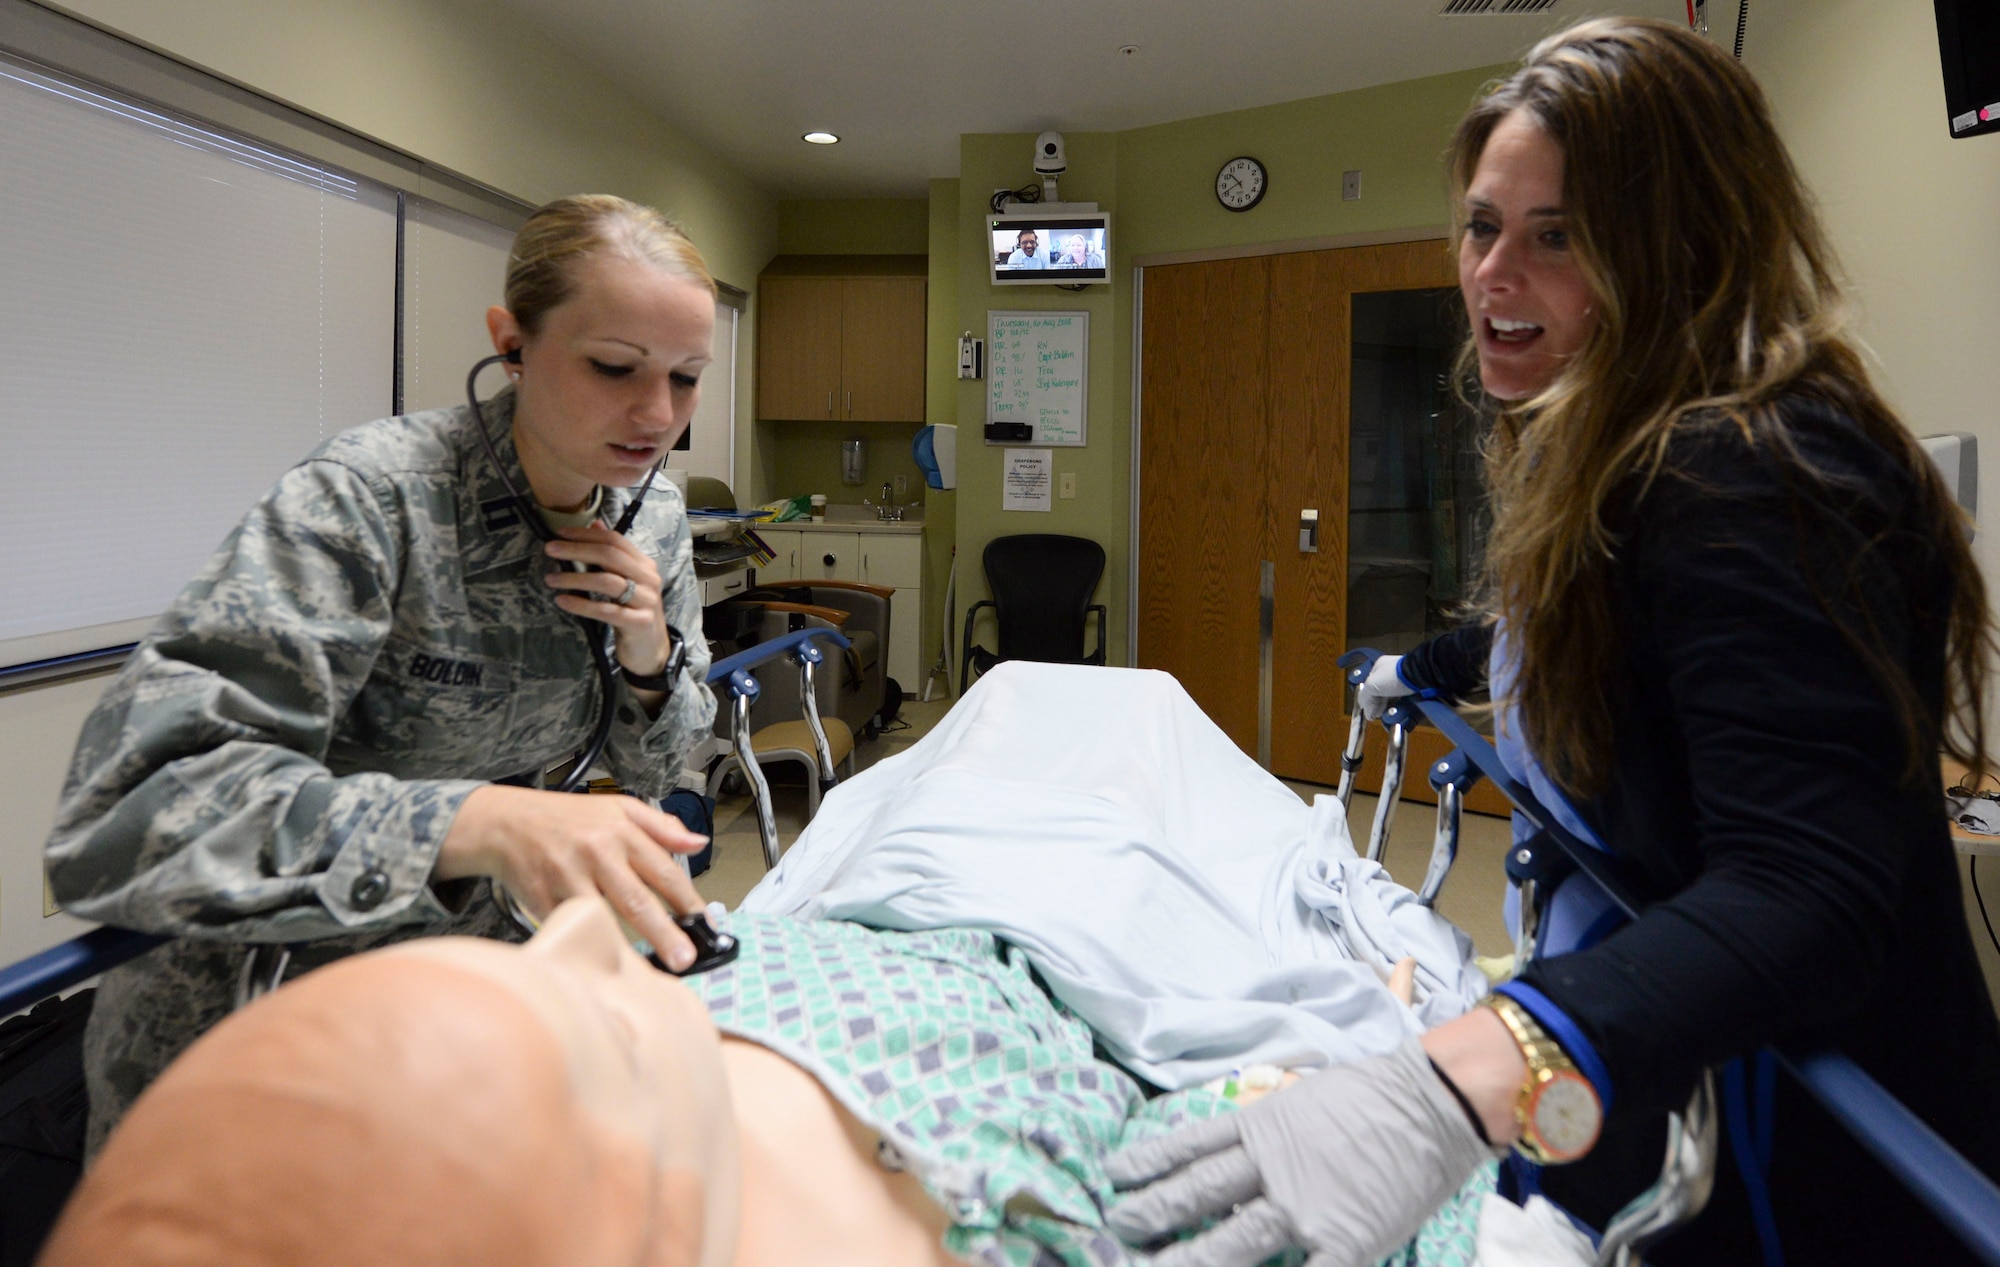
x=1395 y=134
x=853 y=226
x=1158 y=185
x=805 y=458
x=986 y=163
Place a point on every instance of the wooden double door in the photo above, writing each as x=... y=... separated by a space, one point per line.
x=1246 y=381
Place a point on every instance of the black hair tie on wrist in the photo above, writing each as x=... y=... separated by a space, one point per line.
x=1463 y=1103
x=677 y=654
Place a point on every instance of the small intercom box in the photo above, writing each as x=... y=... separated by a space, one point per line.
x=971 y=356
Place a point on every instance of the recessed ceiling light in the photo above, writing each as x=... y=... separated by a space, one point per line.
x=1128 y=50
x=821 y=138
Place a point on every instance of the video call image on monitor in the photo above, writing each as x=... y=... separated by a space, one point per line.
x=1050 y=251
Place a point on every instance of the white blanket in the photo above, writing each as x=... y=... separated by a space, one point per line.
x=1183 y=902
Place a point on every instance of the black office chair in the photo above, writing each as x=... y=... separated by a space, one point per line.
x=1041 y=585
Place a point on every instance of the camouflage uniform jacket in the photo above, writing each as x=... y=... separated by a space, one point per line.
x=281 y=758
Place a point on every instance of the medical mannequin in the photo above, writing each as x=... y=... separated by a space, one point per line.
x=457 y=1100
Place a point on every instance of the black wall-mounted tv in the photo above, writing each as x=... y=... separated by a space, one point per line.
x=1050 y=250
x=1969 y=51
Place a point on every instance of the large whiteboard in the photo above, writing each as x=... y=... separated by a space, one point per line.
x=1036 y=372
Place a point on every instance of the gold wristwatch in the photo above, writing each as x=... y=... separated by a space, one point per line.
x=1558 y=1108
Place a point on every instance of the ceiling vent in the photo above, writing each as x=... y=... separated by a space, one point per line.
x=1466 y=8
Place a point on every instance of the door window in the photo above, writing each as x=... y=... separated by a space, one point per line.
x=1417 y=515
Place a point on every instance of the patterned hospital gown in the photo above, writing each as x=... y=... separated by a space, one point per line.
x=282 y=756
x=980 y=1085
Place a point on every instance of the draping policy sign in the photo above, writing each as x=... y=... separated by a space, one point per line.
x=1035 y=373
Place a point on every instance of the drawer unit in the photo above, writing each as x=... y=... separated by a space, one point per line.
x=729 y=584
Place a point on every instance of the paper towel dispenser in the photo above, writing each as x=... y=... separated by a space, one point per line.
x=936 y=452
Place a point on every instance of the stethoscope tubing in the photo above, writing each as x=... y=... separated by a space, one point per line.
x=598 y=635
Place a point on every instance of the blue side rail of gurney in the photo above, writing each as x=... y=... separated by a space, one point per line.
x=1936 y=1173
x=102 y=949
x=725 y=670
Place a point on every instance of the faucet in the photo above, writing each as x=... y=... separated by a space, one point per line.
x=887 y=511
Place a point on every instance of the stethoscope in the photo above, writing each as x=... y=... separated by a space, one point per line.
x=712 y=949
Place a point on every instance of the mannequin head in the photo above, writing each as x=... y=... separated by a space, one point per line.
x=442 y=1102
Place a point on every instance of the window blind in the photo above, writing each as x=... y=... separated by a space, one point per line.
x=711 y=438
x=185 y=314
x=454 y=269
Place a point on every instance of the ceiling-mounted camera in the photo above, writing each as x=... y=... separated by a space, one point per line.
x=1049 y=158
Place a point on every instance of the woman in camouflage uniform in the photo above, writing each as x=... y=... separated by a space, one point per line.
x=302 y=749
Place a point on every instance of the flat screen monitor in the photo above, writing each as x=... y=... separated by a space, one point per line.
x=1969 y=53
x=1050 y=250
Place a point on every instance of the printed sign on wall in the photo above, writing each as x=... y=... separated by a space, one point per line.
x=1025 y=479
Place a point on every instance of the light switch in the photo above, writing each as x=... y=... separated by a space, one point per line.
x=1066 y=486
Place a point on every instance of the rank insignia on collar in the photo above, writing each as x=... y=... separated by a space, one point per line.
x=499 y=513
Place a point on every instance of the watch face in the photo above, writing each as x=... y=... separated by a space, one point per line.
x=1239 y=186
x=1566 y=1115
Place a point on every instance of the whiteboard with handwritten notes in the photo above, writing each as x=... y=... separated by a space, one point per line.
x=1035 y=373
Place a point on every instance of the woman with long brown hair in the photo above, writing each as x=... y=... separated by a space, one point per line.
x=1733 y=618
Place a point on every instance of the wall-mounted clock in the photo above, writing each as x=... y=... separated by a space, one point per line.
x=1240 y=184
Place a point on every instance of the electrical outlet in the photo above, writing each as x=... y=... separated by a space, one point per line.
x=902 y=486
x=1066 y=486
x=1350 y=186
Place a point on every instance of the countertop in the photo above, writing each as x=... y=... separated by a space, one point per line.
x=866 y=527
x=857 y=519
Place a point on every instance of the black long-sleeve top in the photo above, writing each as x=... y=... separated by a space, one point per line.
x=1806 y=890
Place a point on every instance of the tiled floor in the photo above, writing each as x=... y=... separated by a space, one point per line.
x=1471 y=898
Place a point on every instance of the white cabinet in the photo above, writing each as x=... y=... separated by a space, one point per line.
x=785 y=541
x=892 y=560
x=829 y=556
x=899 y=562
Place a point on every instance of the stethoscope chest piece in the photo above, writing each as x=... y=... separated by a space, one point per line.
x=712 y=947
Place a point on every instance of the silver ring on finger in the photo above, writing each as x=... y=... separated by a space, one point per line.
x=631 y=588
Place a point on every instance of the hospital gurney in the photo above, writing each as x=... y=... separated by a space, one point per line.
x=1957 y=1193
x=101 y=949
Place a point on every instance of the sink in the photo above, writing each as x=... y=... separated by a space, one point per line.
x=866 y=514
